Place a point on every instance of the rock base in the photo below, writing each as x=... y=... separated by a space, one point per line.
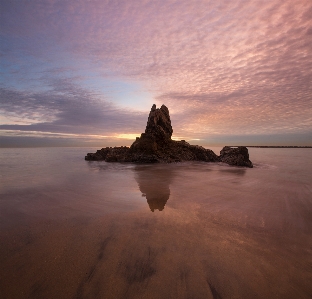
x=150 y=152
x=175 y=151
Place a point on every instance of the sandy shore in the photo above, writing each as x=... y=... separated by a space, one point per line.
x=165 y=254
x=87 y=230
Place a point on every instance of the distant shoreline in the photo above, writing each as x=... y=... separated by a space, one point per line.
x=275 y=146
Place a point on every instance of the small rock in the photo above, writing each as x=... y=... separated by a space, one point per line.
x=238 y=156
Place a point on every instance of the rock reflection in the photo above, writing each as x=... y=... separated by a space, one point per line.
x=154 y=182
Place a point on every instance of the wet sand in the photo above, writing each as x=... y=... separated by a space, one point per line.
x=172 y=255
x=215 y=232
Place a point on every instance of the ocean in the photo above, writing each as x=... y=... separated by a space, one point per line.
x=71 y=228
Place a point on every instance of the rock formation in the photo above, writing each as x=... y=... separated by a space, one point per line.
x=235 y=156
x=156 y=145
x=159 y=123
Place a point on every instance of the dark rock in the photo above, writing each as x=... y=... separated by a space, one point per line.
x=159 y=123
x=109 y=154
x=235 y=156
x=156 y=146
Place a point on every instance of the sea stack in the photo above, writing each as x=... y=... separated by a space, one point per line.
x=156 y=146
x=159 y=123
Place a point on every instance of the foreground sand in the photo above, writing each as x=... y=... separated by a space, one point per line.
x=152 y=255
x=223 y=232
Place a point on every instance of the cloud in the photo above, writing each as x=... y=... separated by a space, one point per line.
x=222 y=67
x=66 y=108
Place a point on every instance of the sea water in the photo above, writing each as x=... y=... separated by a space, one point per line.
x=71 y=228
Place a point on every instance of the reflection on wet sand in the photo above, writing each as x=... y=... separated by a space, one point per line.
x=221 y=235
x=154 y=184
x=239 y=171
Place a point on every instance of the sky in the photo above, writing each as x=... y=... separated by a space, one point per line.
x=87 y=72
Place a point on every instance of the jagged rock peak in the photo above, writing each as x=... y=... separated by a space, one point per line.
x=159 y=123
x=156 y=145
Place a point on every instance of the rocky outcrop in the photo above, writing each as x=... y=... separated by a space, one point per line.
x=148 y=151
x=156 y=146
x=109 y=154
x=159 y=123
x=238 y=156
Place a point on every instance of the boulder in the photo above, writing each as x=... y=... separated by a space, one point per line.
x=237 y=156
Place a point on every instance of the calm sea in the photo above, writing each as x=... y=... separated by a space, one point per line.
x=71 y=228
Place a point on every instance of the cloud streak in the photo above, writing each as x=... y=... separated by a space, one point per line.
x=66 y=109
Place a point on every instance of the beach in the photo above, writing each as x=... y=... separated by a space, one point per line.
x=71 y=228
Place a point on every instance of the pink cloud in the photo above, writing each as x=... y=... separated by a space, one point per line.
x=193 y=55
